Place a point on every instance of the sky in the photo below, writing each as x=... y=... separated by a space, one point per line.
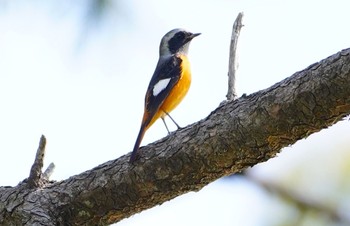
x=82 y=85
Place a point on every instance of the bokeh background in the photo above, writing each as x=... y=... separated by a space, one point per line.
x=77 y=72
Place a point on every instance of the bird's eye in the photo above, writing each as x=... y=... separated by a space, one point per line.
x=177 y=41
x=180 y=35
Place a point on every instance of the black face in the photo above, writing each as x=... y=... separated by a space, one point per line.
x=179 y=40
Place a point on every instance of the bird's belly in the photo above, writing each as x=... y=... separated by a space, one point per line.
x=180 y=90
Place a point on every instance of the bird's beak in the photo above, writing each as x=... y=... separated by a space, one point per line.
x=190 y=36
x=195 y=35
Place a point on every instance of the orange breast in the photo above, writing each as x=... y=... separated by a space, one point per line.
x=177 y=93
x=180 y=89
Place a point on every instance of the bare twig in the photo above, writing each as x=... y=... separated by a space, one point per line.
x=35 y=171
x=46 y=175
x=232 y=67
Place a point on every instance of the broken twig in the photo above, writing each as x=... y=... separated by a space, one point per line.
x=232 y=67
x=35 y=171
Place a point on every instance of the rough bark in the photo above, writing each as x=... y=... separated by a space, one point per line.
x=236 y=135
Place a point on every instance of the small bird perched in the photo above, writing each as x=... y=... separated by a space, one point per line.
x=169 y=83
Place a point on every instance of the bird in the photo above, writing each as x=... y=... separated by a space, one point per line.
x=169 y=84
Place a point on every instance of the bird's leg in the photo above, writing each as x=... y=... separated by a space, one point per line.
x=165 y=125
x=178 y=127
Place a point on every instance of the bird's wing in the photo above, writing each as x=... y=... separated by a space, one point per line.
x=165 y=77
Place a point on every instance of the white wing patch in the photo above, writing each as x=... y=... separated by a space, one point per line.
x=160 y=86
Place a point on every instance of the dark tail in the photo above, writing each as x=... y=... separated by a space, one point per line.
x=137 y=143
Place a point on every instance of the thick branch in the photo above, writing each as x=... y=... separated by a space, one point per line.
x=237 y=135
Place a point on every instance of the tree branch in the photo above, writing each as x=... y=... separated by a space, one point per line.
x=35 y=171
x=236 y=135
x=48 y=172
x=232 y=66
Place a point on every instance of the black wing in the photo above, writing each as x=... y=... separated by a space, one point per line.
x=169 y=68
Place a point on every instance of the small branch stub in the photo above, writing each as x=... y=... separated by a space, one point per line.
x=232 y=67
x=48 y=172
x=35 y=171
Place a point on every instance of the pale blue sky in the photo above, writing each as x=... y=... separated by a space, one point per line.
x=83 y=88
